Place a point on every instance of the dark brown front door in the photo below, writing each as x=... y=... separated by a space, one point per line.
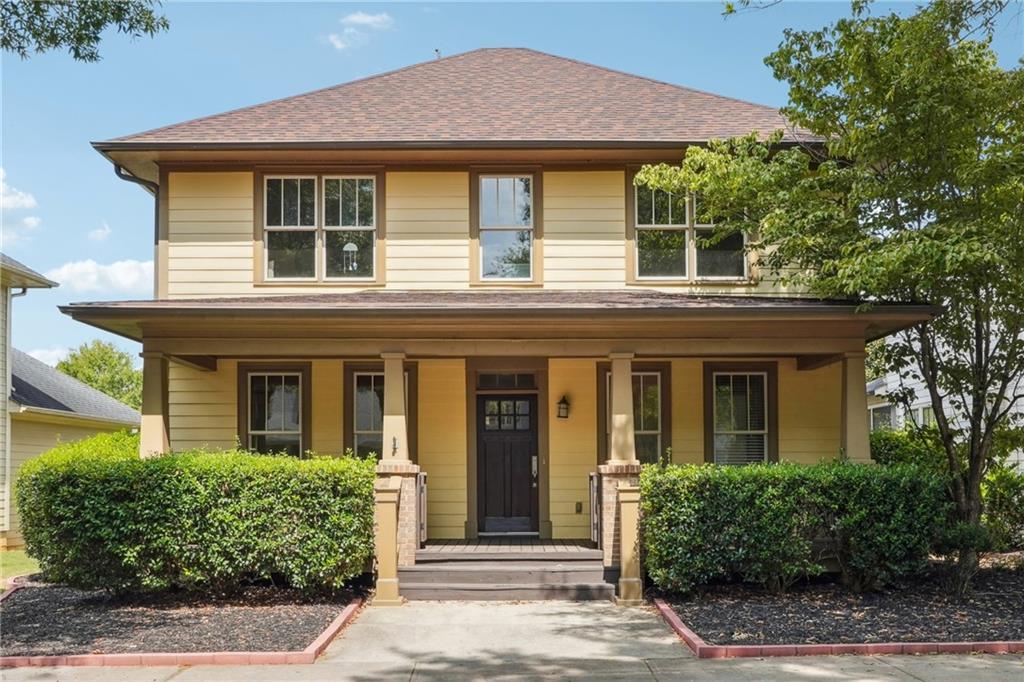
x=507 y=451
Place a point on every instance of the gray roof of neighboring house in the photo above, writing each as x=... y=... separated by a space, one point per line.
x=35 y=384
x=14 y=273
x=876 y=386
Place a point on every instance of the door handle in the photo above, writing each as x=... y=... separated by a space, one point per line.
x=533 y=466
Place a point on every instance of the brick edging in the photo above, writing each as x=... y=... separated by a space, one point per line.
x=306 y=656
x=702 y=649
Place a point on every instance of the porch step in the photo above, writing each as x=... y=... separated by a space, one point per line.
x=509 y=554
x=507 y=592
x=503 y=572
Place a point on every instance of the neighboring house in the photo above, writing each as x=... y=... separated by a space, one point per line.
x=885 y=415
x=41 y=406
x=448 y=266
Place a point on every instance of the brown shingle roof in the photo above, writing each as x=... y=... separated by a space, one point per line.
x=487 y=97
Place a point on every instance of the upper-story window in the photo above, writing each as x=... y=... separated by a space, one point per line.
x=506 y=227
x=673 y=243
x=309 y=238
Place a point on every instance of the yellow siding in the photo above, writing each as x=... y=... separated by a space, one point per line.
x=30 y=439
x=5 y=331
x=810 y=411
x=572 y=445
x=427 y=230
x=687 y=412
x=202 y=406
x=442 y=444
x=584 y=229
x=327 y=414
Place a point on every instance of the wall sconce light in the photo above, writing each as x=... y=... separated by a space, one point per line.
x=563 y=408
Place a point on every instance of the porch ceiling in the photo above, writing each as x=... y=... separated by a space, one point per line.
x=591 y=317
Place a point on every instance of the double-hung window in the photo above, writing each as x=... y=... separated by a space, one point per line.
x=320 y=228
x=506 y=227
x=647 y=414
x=881 y=417
x=674 y=242
x=368 y=413
x=275 y=412
x=740 y=417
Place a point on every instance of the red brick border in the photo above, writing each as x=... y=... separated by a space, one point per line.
x=702 y=649
x=307 y=655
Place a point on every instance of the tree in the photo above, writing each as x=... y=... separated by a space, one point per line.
x=28 y=26
x=106 y=368
x=914 y=192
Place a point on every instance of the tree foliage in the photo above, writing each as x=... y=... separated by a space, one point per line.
x=107 y=369
x=74 y=25
x=909 y=188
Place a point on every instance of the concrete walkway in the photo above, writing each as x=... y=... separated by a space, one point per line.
x=481 y=640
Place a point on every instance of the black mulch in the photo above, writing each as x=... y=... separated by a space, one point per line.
x=50 y=620
x=823 y=612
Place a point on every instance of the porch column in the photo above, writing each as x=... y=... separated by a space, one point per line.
x=387 y=497
x=395 y=464
x=856 y=442
x=154 y=438
x=620 y=474
x=631 y=586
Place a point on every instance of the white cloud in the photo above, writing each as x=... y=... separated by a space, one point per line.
x=377 y=22
x=123 y=276
x=11 y=197
x=50 y=356
x=16 y=232
x=100 y=233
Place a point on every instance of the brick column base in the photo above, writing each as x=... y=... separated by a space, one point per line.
x=408 y=532
x=614 y=476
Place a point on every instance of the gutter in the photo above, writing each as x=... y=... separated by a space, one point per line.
x=153 y=187
x=63 y=415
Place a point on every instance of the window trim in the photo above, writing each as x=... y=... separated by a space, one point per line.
x=771 y=371
x=664 y=370
x=537 y=231
x=348 y=418
x=261 y=253
x=876 y=408
x=304 y=370
x=314 y=228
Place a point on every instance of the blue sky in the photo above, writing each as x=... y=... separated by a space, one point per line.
x=66 y=214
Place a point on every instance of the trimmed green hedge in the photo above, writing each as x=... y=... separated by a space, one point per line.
x=1003 y=490
x=95 y=515
x=773 y=524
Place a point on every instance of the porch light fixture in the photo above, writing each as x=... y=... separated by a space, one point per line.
x=563 y=408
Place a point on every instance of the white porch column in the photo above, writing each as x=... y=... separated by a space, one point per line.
x=621 y=443
x=856 y=442
x=396 y=428
x=153 y=436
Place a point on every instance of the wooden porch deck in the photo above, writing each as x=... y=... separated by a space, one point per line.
x=505 y=545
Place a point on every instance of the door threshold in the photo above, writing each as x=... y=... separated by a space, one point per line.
x=509 y=534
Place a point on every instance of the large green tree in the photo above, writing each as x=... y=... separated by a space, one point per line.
x=910 y=188
x=28 y=26
x=106 y=368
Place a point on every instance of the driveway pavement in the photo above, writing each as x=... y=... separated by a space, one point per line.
x=483 y=640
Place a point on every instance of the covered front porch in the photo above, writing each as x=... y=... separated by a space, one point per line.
x=506 y=414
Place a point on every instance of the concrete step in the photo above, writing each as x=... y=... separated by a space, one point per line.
x=432 y=556
x=504 y=572
x=415 y=591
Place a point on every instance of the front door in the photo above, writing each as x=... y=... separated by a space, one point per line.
x=507 y=466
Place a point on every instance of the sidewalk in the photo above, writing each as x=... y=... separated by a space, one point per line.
x=480 y=640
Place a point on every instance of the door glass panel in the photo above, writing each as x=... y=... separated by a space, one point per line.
x=491 y=423
x=491 y=407
x=522 y=423
x=506 y=407
x=522 y=407
x=507 y=422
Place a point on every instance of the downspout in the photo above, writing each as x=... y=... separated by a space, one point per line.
x=153 y=187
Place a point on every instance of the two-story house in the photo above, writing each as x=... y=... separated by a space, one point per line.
x=449 y=266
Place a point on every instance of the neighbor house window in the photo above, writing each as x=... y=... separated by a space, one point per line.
x=647 y=414
x=740 y=417
x=506 y=227
x=309 y=237
x=671 y=236
x=275 y=413
x=881 y=417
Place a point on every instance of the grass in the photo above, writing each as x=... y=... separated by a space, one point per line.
x=15 y=562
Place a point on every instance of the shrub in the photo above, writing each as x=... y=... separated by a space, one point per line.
x=95 y=515
x=919 y=447
x=761 y=523
x=1003 y=491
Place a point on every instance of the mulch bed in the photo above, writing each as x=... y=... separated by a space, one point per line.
x=51 y=620
x=823 y=612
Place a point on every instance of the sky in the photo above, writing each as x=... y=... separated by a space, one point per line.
x=65 y=213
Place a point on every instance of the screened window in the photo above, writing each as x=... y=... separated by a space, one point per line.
x=350 y=225
x=275 y=413
x=333 y=237
x=881 y=417
x=740 y=417
x=646 y=414
x=506 y=227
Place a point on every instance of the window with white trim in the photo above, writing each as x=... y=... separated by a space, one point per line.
x=740 y=417
x=506 y=227
x=881 y=417
x=275 y=412
x=646 y=414
x=671 y=235
x=309 y=238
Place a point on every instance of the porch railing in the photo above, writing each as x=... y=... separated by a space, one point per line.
x=595 y=509
x=421 y=507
